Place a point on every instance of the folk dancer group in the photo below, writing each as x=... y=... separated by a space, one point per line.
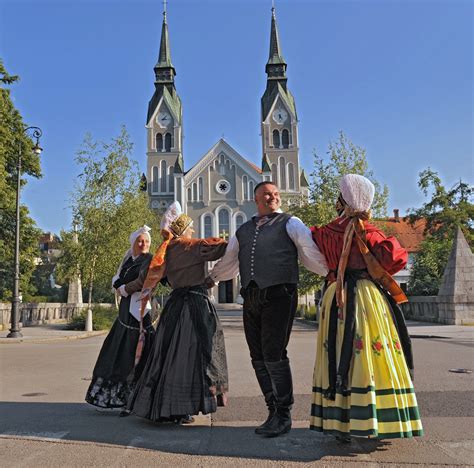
x=363 y=374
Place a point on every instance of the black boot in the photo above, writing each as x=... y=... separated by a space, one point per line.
x=265 y=383
x=280 y=374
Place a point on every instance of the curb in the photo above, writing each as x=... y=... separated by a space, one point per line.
x=53 y=338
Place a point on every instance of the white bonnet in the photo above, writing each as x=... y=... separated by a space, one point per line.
x=145 y=230
x=357 y=191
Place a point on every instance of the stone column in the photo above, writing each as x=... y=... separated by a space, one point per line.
x=456 y=294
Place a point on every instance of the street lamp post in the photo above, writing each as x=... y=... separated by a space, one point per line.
x=15 y=315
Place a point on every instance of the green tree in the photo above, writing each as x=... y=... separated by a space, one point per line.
x=343 y=157
x=428 y=267
x=446 y=210
x=107 y=206
x=12 y=140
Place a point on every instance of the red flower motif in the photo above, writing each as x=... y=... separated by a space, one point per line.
x=377 y=345
x=397 y=345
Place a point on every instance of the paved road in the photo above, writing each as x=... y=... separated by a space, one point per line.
x=44 y=421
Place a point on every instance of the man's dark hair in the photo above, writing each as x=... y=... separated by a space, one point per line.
x=265 y=182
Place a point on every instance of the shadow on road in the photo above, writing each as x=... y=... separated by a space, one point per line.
x=81 y=422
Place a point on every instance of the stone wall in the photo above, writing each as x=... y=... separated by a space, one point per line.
x=457 y=310
x=423 y=308
x=41 y=313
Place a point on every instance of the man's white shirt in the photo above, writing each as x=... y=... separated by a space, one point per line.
x=308 y=253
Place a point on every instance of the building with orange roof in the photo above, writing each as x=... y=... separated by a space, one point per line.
x=409 y=235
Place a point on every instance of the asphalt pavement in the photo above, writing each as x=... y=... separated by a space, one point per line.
x=44 y=420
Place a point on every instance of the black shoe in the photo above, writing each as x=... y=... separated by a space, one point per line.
x=282 y=384
x=186 y=419
x=279 y=424
x=265 y=383
x=344 y=439
x=261 y=429
x=124 y=413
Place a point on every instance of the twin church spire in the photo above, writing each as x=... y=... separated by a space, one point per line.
x=278 y=112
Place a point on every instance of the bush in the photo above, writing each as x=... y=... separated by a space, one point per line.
x=102 y=318
x=307 y=312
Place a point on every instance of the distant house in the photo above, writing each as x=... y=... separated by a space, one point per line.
x=49 y=246
x=410 y=236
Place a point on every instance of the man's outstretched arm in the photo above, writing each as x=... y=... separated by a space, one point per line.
x=308 y=252
x=228 y=266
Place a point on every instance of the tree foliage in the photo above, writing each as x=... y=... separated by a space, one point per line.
x=107 y=206
x=446 y=210
x=343 y=157
x=428 y=266
x=13 y=139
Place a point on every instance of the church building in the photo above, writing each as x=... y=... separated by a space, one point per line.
x=217 y=192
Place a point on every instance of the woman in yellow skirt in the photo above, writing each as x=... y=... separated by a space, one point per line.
x=362 y=384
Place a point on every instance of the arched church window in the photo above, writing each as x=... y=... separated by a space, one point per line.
x=239 y=220
x=276 y=138
x=171 y=179
x=154 y=180
x=200 y=189
x=285 y=138
x=251 y=189
x=245 y=188
x=168 y=142
x=224 y=223
x=190 y=194
x=281 y=163
x=159 y=142
x=208 y=226
x=274 y=173
x=163 y=176
x=291 y=176
x=195 y=192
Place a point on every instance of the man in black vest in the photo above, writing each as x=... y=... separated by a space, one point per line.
x=265 y=250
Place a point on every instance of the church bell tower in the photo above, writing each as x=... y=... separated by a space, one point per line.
x=165 y=165
x=279 y=123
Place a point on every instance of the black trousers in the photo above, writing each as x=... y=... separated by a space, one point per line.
x=268 y=318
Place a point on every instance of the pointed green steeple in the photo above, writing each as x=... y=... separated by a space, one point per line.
x=266 y=164
x=179 y=165
x=164 y=70
x=276 y=65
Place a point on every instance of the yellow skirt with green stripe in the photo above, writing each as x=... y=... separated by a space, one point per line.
x=382 y=401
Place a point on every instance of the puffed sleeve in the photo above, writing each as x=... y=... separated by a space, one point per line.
x=212 y=248
x=388 y=251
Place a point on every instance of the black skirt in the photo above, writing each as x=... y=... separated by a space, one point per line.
x=114 y=374
x=186 y=370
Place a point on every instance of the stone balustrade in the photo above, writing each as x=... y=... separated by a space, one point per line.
x=42 y=312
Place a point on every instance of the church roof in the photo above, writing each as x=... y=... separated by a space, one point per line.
x=275 y=56
x=164 y=57
x=171 y=99
x=223 y=147
x=303 y=179
x=274 y=90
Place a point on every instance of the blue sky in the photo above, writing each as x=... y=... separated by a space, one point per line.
x=395 y=76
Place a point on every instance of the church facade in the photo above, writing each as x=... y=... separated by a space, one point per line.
x=217 y=192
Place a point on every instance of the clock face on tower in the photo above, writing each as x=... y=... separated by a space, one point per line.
x=163 y=119
x=280 y=116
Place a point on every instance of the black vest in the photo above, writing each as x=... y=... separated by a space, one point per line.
x=267 y=255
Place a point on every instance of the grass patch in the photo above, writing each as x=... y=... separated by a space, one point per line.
x=102 y=318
